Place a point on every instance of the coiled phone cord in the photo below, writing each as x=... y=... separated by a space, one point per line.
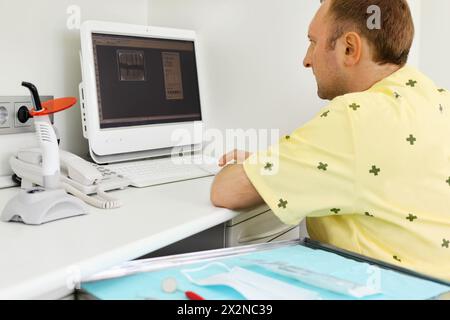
x=108 y=202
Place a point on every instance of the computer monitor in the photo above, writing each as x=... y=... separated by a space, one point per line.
x=140 y=94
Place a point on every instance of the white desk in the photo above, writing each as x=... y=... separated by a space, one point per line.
x=40 y=261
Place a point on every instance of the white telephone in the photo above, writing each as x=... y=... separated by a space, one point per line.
x=82 y=179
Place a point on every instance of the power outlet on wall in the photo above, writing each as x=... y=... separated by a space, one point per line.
x=5 y=114
x=9 y=108
x=17 y=107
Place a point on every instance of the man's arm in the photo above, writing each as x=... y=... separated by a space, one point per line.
x=232 y=188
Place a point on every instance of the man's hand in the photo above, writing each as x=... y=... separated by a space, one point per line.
x=231 y=188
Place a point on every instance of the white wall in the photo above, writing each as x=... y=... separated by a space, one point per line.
x=435 y=42
x=416 y=10
x=252 y=58
x=252 y=52
x=37 y=46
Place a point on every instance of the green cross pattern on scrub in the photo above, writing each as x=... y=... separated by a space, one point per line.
x=411 y=83
x=268 y=166
x=376 y=170
x=335 y=210
x=322 y=166
x=354 y=106
x=411 y=217
x=411 y=139
x=445 y=243
x=448 y=181
x=282 y=204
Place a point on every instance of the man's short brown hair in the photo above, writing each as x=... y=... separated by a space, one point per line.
x=391 y=43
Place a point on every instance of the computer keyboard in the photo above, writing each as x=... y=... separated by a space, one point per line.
x=145 y=173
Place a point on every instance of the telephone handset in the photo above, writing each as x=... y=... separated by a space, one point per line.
x=79 y=177
x=78 y=169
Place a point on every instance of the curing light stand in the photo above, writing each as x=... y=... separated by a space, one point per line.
x=50 y=202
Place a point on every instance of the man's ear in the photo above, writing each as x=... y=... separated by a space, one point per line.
x=353 y=48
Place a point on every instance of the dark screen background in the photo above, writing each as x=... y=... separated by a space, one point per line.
x=136 y=99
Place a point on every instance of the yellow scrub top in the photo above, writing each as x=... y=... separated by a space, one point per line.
x=371 y=172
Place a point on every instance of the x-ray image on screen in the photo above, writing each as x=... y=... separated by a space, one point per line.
x=143 y=81
x=131 y=65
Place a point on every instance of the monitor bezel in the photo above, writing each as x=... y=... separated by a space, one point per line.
x=136 y=139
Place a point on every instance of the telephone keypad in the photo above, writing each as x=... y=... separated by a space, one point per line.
x=107 y=173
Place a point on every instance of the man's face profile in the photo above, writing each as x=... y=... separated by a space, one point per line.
x=322 y=58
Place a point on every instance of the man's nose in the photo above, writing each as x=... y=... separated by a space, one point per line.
x=307 y=62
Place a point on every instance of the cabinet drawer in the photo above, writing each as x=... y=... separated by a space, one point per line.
x=259 y=229
x=249 y=214
x=292 y=234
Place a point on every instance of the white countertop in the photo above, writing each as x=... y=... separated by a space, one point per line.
x=44 y=261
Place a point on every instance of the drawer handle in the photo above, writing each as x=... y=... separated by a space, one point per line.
x=272 y=233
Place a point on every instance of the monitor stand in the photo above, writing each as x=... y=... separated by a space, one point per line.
x=141 y=155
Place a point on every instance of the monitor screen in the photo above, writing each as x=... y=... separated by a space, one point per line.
x=143 y=81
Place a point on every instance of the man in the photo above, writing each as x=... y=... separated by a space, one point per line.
x=371 y=172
